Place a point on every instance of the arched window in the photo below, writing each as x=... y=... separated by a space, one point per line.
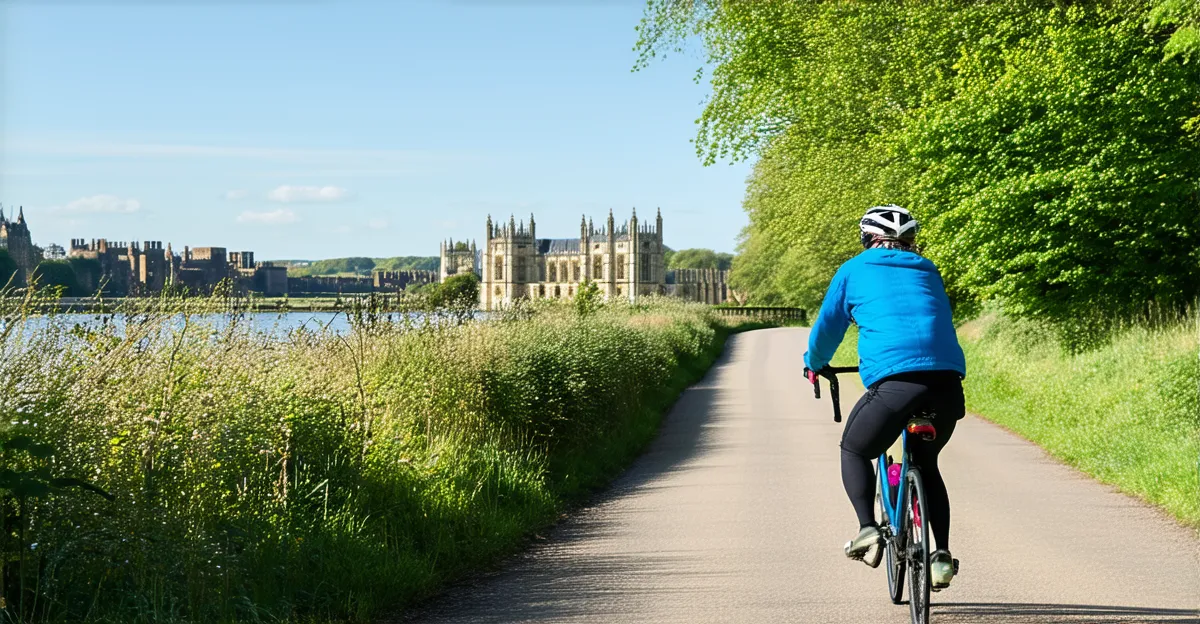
x=553 y=272
x=598 y=268
x=575 y=275
x=498 y=274
x=558 y=292
x=621 y=266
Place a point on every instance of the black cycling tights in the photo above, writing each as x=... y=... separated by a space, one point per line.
x=877 y=421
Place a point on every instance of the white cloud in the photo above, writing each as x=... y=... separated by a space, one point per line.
x=272 y=217
x=237 y=194
x=378 y=224
x=288 y=194
x=110 y=204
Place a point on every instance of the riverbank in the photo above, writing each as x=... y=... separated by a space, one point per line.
x=1125 y=413
x=322 y=477
x=322 y=303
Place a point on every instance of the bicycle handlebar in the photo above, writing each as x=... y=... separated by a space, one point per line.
x=831 y=373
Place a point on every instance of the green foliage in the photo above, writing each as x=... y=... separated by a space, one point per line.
x=87 y=274
x=699 y=259
x=56 y=274
x=1050 y=149
x=334 y=266
x=588 y=299
x=410 y=263
x=8 y=269
x=1059 y=179
x=458 y=293
x=1181 y=19
x=364 y=266
x=1126 y=413
x=320 y=475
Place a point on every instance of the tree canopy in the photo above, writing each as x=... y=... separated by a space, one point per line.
x=8 y=268
x=699 y=259
x=1051 y=149
x=56 y=274
x=458 y=292
x=364 y=266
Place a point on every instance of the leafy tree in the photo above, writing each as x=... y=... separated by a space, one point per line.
x=1180 y=18
x=699 y=259
x=87 y=273
x=1050 y=148
x=1061 y=179
x=459 y=291
x=8 y=269
x=56 y=274
x=588 y=299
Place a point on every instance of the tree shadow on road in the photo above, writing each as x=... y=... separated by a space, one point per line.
x=1019 y=613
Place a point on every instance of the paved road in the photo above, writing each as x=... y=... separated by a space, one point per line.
x=736 y=514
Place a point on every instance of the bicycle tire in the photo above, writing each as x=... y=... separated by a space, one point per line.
x=893 y=555
x=917 y=548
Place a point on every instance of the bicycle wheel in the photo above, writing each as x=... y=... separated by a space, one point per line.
x=916 y=529
x=893 y=554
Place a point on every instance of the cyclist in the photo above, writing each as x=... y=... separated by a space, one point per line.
x=909 y=360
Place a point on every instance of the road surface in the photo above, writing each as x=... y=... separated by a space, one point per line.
x=736 y=514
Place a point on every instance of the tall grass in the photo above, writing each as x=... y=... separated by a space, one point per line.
x=1125 y=412
x=315 y=476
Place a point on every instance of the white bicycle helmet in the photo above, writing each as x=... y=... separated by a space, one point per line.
x=890 y=221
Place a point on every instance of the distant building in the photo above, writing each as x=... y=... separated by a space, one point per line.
x=625 y=262
x=54 y=252
x=130 y=269
x=270 y=279
x=121 y=269
x=704 y=285
x=458 y=258
x=395 y=281
x=15 y=237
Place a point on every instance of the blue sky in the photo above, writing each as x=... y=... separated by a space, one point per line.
x=326 y=128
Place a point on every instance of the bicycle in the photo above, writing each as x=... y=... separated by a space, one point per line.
x=905 y=533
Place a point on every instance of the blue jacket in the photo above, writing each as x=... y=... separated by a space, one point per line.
x=899 y=303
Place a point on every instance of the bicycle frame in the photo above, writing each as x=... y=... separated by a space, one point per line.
x=894 y=511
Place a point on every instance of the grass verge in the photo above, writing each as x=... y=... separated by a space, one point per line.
x=314 y=476
x=1126 y=412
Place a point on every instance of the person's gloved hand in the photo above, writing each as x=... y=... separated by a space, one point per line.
x=811 y=376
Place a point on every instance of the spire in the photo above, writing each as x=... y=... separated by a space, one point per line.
x=1 y=213
x=21 y=216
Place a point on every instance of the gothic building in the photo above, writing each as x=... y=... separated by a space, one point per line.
x=625 y=261
x=458 y=258
x=15 y=237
